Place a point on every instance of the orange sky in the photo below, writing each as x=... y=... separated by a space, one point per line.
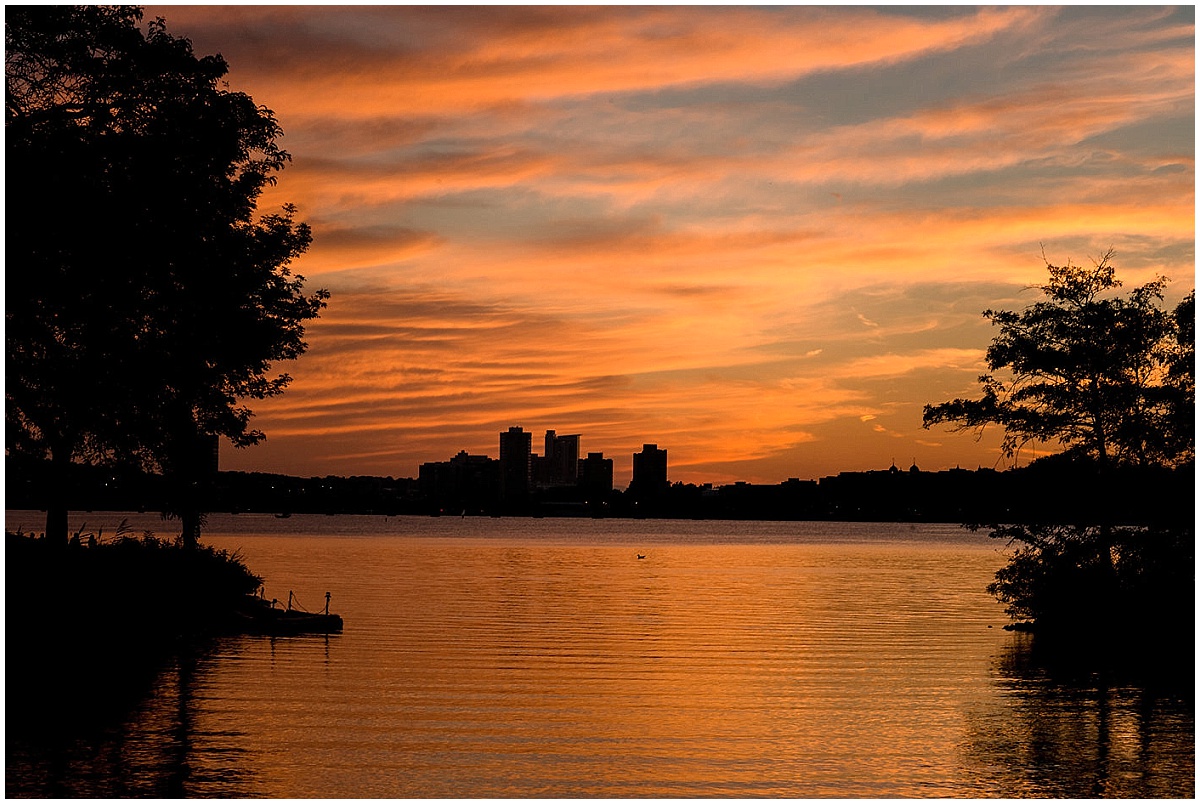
x=758 y=237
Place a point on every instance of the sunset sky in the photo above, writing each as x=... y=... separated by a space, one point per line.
x=758 y=237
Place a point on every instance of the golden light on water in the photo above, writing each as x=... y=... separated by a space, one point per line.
x=499 y=657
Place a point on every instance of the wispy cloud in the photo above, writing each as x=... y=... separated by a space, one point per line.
x=760 y=237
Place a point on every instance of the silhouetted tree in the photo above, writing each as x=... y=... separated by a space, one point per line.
x=145 y=296
x=1088 y=372
x=1110 y=380
x=1181 y=383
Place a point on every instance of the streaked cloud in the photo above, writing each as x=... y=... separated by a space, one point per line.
x=759 y=237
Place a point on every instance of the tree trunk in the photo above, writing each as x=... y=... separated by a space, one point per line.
x=56 y=523
x=191 y=473
x=1107 y=606
x=58 y=495
x=191 y=528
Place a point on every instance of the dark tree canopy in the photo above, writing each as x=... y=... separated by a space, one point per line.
x=1111 y=380
x=1105 y=377
x=146 y=298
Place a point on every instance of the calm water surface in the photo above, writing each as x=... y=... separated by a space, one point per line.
x=542 y=658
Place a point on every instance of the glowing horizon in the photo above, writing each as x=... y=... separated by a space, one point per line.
x=760 y=238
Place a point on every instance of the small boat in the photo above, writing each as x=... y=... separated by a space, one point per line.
x=260 y=616
x=281 y=623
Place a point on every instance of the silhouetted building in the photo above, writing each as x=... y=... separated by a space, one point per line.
x=516 y=450
x=596 y=476
x=559 y=466
x=649 y=471
x=463 y=483
x=561 y=460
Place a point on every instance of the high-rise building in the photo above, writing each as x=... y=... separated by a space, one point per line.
x=561 y=459
x=649 y=471
x=596 y=476
x=516 y=447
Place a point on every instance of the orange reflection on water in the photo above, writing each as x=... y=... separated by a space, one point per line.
x=529 y=669
x=507 y=658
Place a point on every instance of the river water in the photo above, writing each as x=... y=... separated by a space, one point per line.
x=543 y=658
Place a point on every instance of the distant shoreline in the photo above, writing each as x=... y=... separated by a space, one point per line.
x=1039 y=493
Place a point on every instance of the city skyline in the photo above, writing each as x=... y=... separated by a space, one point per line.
x=654 y=455
x=762 y=237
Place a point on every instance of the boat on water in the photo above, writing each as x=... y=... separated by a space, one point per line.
x=260 y=616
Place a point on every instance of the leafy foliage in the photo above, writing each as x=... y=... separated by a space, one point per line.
x=113 y=606
x=1056 y=572
x=1111 y=380
x=146 y=299
x=1104 y=377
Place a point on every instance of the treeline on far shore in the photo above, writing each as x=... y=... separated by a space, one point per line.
x=1048 y=490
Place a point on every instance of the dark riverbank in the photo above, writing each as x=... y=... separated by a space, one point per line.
x=86 y=622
